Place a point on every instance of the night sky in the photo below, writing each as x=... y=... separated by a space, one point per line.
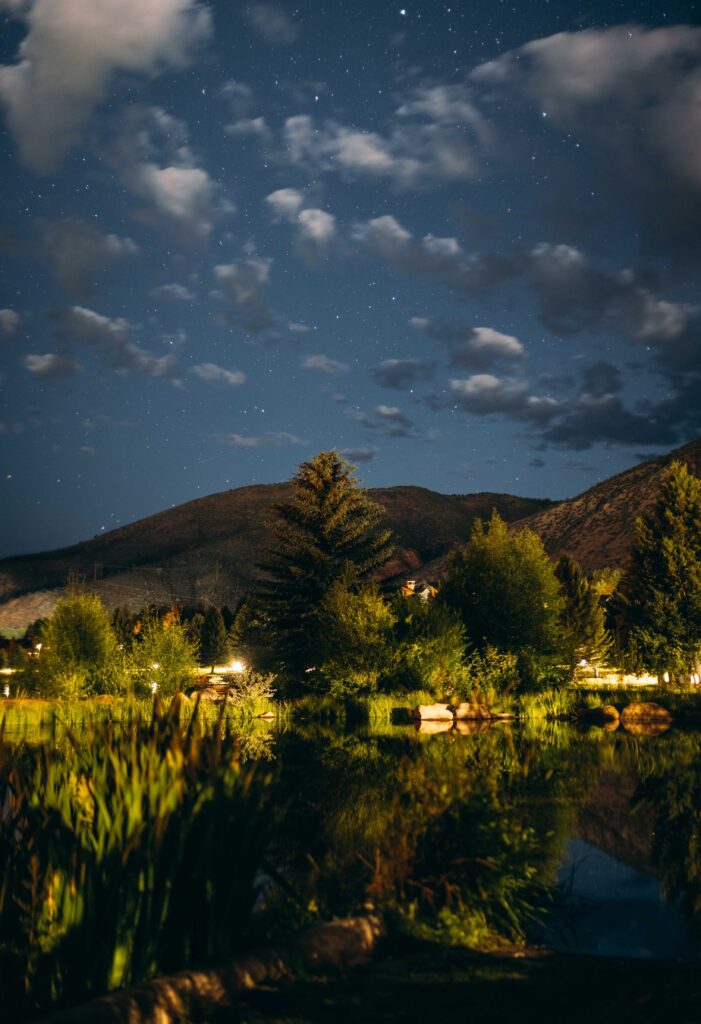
x=459 y=242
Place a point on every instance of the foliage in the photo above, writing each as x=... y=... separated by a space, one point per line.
x=79 y=653
x=165 y=655
x=215 y=646
x=583 y=631
x=123 y=626
x=492 y=675
x=328 y=531
x=127 y=852
x=430 y=642
x=252 y=692
x=504 y=589
x=356 y=645
x=660 y=595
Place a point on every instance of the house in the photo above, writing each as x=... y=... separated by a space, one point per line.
x=424 y=591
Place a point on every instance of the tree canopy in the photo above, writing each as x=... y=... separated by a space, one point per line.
x=504 y=588
x=328 y=532
x=660 y=594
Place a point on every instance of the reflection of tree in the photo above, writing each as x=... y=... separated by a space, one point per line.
x=671 y=788
x=458 y=838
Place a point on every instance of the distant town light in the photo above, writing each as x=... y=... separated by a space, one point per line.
x=154 y=687
x=38 y=647
x=155 y=665
x=6 y=690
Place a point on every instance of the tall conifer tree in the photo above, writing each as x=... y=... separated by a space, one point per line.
x=583 y=630
x=660 y=594
x=329 y=531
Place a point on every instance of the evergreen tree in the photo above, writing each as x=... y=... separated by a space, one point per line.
x=215 y=640
x=583 y=631
x=79 y=649
x=504 y=589
x=328 y=531
x=660 y=595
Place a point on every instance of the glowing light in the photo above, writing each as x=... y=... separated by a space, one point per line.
x=154 y=687
x=6 y=690
x=237 y=666
x=155 y=665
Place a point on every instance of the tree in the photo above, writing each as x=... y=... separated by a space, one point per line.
x=356 y=647
x=215 y=643
x=164 y=655
x=78 y=649
x=660 y=595
x=583 y=630
x=431 y=644
x=328 y=531
x=504 y=589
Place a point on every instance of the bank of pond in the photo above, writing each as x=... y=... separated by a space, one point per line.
x=140 y=838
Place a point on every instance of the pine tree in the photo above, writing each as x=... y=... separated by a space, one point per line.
x=504 y=588
x=327 y=532
x=215 y=640
x=660 y=594
x=583 y=630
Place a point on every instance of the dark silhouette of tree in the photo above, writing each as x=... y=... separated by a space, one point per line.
x=659 y=602
x=329 y=531
x=583 y=629
x=215 y=645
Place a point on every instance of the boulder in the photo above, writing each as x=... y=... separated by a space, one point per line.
x=468 y=711
x=598 y=716
x=645 y=712
x=433 y=713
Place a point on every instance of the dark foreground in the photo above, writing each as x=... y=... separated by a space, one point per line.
x=429 y=983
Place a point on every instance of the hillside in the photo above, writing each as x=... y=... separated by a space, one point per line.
x=206 y=550
x=597 y=527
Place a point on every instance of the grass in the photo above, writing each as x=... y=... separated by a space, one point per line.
x=126 y=850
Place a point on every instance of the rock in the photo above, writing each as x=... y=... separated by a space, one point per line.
x=646 y=726
x=468 y=711
x=433 y=713
x=645 y=712
x=598 y=716
x=212 y=695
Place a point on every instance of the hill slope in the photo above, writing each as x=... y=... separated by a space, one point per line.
x=206 y=550
x=597 y=528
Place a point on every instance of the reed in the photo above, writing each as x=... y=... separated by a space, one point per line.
x=126 y=851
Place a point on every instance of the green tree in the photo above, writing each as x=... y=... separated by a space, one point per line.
x=431 y=644
x=660 y=595
x=503 y=587
x=328 y=531
x=215 y=644
x=583 y=630
x=78 y=650
x=165 y=656
x=356 y=647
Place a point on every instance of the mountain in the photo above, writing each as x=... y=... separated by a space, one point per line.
x=206 y=550
x=597 y=528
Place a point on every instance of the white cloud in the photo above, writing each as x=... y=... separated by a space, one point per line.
x=186 y=194
x=272 y=23
x=78 y=253
x=471 y=347
x=316 y=226
x=173 y=291
x=272 y=439
x=218 y=375
x=71 y=53
x=253 y=126
x=286 y=203
x=51 y=364
x=484 y=394
x=323 y=364
x=9 y=321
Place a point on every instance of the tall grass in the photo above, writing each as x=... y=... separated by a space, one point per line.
x=127 y=851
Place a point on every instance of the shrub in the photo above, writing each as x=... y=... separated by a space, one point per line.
x=164 y=655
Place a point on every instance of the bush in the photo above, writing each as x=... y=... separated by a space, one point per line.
x=430 y=649
x=357 y=645
x=165 y=655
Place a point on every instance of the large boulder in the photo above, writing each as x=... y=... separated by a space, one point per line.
x=645 y=711
x=470 y=710
x=433 y=713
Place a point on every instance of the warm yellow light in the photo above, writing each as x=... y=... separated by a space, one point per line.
x=237 y=666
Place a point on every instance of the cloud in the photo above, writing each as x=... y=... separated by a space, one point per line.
x=187 y=195
x=359 y=454
x=79 y=254
x=440 y=259
x=398 y=424
x=239 y=96
x=471 y=347
x=401 y=373
x=173 y=291
x=634 y=93
x=71 y=54
x=256 y=127
x=51 y=365
x=272 y=24
x=285 y=203
x=110 y=337
x=245 y=283
x=316 y=226
x=9 y=321
x=323 y=364
x=272 y=439
x=410 y=155
x=214 y=374
x=485 y=394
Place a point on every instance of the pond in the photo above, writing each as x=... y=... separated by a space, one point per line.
x=539 y=832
